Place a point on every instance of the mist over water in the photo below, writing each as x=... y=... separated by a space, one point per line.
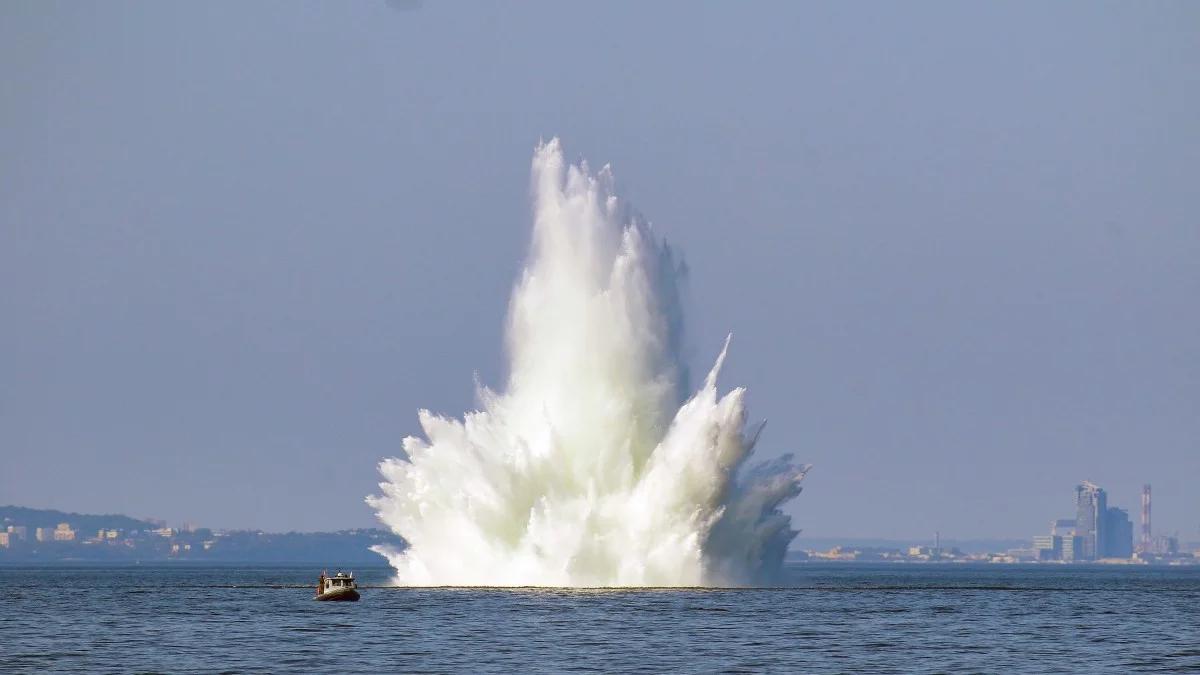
x=596 y=465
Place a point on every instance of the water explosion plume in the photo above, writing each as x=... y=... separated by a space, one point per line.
x=593 y=467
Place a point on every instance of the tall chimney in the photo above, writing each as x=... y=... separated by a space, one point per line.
x=1146 y=533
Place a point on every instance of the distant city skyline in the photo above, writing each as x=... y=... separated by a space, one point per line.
x=1093 y=513
x=955 y=243
x=31 y=535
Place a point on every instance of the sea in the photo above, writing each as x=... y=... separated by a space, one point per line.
x=827 y=617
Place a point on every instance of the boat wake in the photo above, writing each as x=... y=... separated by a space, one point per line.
x=594 y=466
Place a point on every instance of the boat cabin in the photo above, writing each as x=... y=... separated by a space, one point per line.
x=337 y=587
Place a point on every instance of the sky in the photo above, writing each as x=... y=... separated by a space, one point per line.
x=957 y=244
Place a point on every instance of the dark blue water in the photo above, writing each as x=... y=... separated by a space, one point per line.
x=830 y=618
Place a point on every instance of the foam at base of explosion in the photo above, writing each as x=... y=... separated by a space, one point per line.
x=593 y=467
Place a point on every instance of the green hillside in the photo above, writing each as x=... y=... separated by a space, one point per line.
x=32 y=518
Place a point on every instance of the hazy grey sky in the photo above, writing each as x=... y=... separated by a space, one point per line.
x=958 y=244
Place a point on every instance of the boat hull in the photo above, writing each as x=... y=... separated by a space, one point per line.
x=338 y=595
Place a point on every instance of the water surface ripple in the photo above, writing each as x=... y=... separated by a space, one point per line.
x=828 y=618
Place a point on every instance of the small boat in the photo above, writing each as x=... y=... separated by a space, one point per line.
x=339 y=587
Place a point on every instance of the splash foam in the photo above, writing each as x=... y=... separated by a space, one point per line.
x=593 y=467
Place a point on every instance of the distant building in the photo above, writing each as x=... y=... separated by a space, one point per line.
x=835 y=553
x=1166 y=545
x=1072 y=548
x=935 y=552
x=1021 y=555
x=1048 y=547
x=875 y=553
x=1118 y=529
x=107 y=535
x=18 y=533
x=64 y=532
x=44 y=534
x=4 y=539
x=1063 y=527
x=1091 y=507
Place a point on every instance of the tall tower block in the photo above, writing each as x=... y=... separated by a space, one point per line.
x=1091 y=510
x=1147 y=535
